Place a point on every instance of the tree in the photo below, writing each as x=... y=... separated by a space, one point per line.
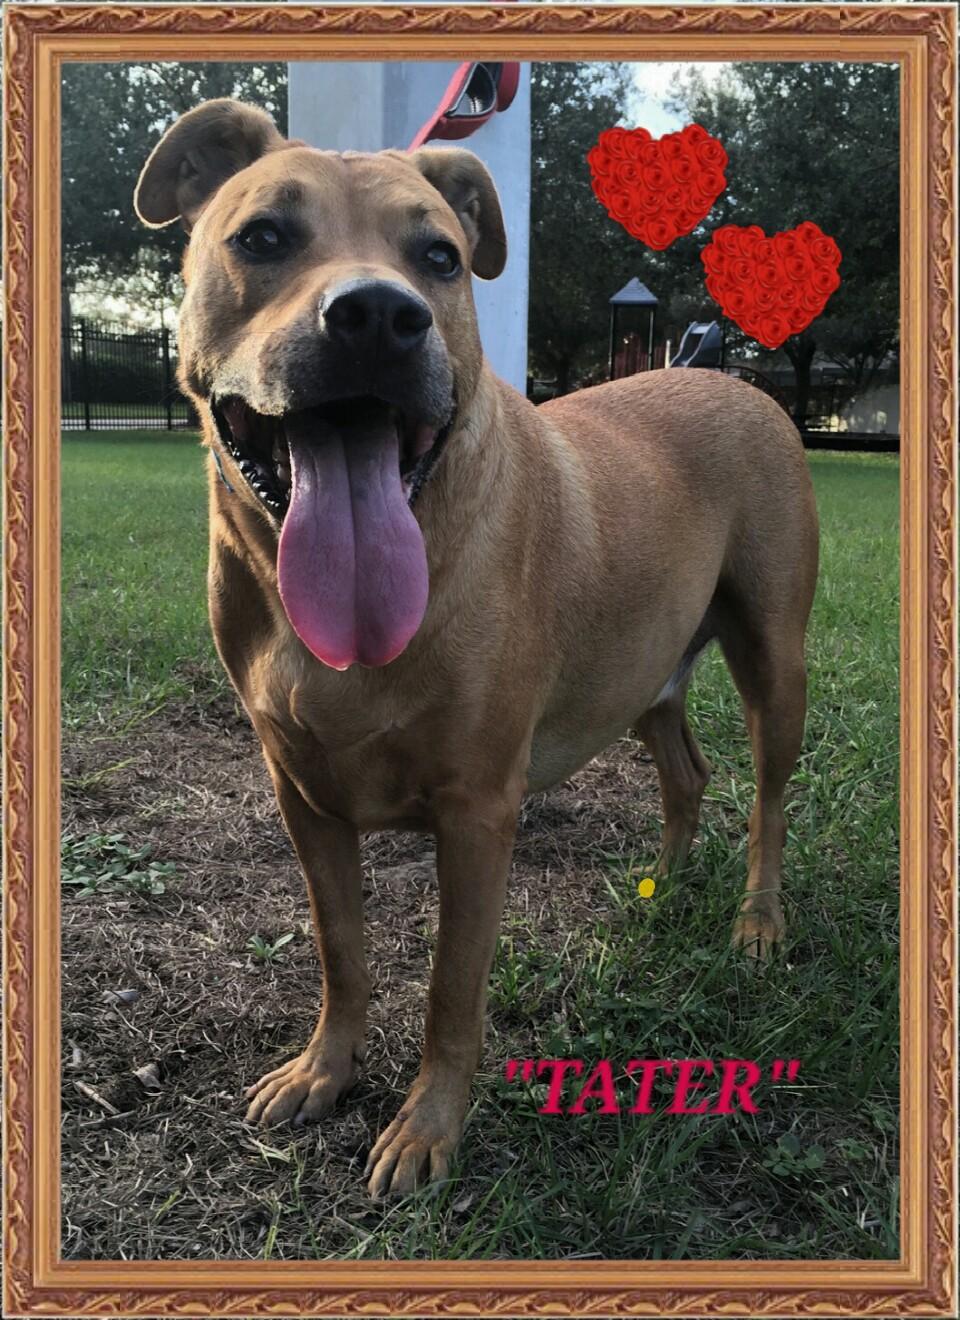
x=113 y=116
x=578 y=257
x=809 y=142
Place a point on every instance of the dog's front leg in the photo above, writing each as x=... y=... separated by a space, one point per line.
x=474 y=843
x=309 y=1085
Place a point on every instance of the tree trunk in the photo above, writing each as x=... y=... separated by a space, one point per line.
x=801 y=359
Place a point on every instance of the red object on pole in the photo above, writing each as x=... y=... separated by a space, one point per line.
x=475 y=93
x=450 y=97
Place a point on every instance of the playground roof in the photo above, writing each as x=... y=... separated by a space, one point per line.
x=633 y=294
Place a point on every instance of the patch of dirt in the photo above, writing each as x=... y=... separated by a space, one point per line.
x=161 y=1164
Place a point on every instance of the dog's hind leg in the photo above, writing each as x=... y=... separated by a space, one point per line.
x=765 y=656
x=682 y=770
x=306 y=1087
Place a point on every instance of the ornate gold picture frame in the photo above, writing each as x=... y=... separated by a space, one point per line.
x=922 y=39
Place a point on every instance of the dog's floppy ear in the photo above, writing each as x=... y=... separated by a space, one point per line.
x=465 y=183
x=198 y=154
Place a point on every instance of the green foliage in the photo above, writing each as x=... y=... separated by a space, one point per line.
x=578 y=257
x=806 y=142
x=791 y=1159
x=263 y=950
x=99 y=864
x=113 y=116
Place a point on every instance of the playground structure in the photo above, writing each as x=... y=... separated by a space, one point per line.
x=632 y=348
x=630 y=351
x=701 y=346
x=703 y=343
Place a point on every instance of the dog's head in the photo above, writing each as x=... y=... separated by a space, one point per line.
x=329 y=327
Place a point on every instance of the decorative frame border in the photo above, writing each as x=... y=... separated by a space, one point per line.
x=923 y=40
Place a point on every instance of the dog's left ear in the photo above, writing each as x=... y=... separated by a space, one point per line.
x=198 y=154
x=465 y=183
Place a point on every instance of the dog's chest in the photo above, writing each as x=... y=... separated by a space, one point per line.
x=365 y=759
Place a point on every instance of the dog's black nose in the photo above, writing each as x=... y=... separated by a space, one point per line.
x=376 y=317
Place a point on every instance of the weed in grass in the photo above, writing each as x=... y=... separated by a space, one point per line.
x=99 y=864
x=265 y=951
x=791 y=1159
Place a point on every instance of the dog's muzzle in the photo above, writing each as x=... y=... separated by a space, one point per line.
x=259 y=444
x=341 y=479
x=337 y=436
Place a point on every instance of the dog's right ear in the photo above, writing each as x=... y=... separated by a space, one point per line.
x=198 y=154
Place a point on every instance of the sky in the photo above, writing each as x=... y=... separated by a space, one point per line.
x=652 y=82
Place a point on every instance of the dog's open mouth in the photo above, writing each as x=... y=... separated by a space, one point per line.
x=341 y=479
x=260 y=446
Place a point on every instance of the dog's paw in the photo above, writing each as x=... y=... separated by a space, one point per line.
x=303 y=1090
x=759 y=929
x=416 y=1147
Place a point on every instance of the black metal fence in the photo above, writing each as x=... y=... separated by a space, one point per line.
x=113 y=380
x=116 y=380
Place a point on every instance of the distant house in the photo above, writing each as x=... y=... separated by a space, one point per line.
x=834 y=403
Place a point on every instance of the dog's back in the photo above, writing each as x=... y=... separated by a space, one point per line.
x=697 y=449
x=713 y=427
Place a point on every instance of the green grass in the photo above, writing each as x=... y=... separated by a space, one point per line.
x=814 y=1173
x=134 y=629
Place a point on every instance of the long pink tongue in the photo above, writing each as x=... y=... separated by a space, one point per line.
x=352 y=566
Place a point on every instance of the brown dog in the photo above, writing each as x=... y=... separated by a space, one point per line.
x=563 y=568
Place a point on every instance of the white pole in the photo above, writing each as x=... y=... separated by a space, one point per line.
x=367 y=106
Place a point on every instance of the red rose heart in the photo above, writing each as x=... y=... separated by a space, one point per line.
x=771 y=287
x=660 y=188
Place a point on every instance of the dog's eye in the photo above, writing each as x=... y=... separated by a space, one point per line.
x=443 y=258
x=261 y=238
